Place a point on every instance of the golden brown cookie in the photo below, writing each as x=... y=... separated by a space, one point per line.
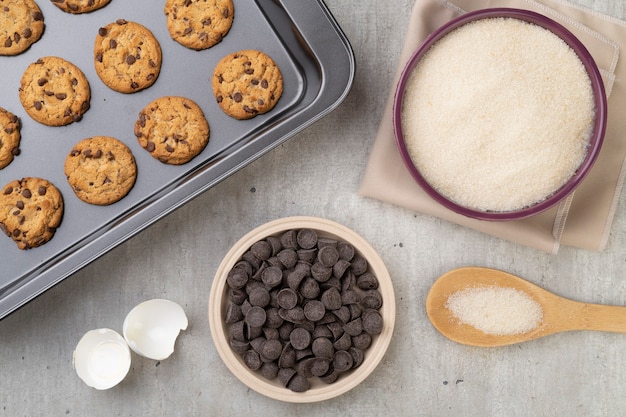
x=54 y=91
x=101 y=170
x=127 y=56
x=21 y=25
x=199 y=24
x=173 y=129
x=80 y=6
x=247 y=83
x=31 y=210
x=9 y=137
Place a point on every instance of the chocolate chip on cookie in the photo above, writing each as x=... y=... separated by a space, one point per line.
x=9 y=137
x=247 y=83
x=21 y=25
x=31 y=210
x=101 y=170
x=199 y=24
x=173 y=129
x=54 y=91
x=127 y=56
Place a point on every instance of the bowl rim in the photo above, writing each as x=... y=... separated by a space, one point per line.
x=595 y=142
x=273 y=390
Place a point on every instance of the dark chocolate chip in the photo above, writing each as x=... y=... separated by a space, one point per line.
x=237 y=278
x=362 y=341
x=340 y=267
x=372 y=322
x=272 y=349
x=309 y=288
x=272 y=276
x=323 y=348
x=300 y=338
x=358 y=265
x=367 y=281
x=342 y=361
x=372 y=299
x=344 y=342
x=314 y=310
x=259 y=297
x=256 y=316
x=269 y=370
x=289 y=239
x=252 y=360
x=275 y=244
x=328 y=256
x=288 y=257
x=306 y=238
x=346 y=251
x=357 y=356
x=299 y=383
x=354 y=327
x=331 y=299
x=287 y=298
x=285 y=375
x=261 y=250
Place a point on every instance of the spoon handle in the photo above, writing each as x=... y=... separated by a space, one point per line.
x=599 y=317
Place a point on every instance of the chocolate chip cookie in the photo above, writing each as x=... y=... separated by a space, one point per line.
x=31 y=210
x=173 y=129
x=80 y=6
x=54 y=91
x=127 y=56
x=101 y=170
x=199 y=24
x=247 y=83
x=9 y=137
x=21 y=25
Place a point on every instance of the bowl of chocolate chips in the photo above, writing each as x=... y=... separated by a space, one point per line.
x=302 y=309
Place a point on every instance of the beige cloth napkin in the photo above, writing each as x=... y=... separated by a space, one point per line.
x=584 y=219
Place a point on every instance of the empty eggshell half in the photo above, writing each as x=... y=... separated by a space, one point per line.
x=102 y=358
x=151 y=328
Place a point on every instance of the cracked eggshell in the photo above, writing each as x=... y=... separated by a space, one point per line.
x=101 y=358
x=151 y=328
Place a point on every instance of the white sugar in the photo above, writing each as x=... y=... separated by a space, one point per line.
x=498 y=114
x=496 y=310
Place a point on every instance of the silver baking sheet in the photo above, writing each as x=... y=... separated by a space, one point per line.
x=318 y=67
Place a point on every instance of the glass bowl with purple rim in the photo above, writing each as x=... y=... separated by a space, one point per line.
x=596 y=130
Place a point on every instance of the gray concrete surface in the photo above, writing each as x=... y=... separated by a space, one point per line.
x=317 y=173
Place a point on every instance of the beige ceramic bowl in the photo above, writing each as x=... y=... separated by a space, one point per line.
x=319 y=390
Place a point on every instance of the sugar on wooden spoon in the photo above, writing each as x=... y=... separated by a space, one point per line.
x=487 y=307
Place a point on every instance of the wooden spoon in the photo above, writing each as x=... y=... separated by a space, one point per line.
x=559 y=314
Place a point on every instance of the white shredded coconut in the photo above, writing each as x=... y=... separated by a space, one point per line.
x=496 y=310
x=497 y=115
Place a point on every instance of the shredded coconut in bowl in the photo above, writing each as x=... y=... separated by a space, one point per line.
x=498 y=114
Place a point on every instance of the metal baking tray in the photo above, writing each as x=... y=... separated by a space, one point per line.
x=318 y=67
